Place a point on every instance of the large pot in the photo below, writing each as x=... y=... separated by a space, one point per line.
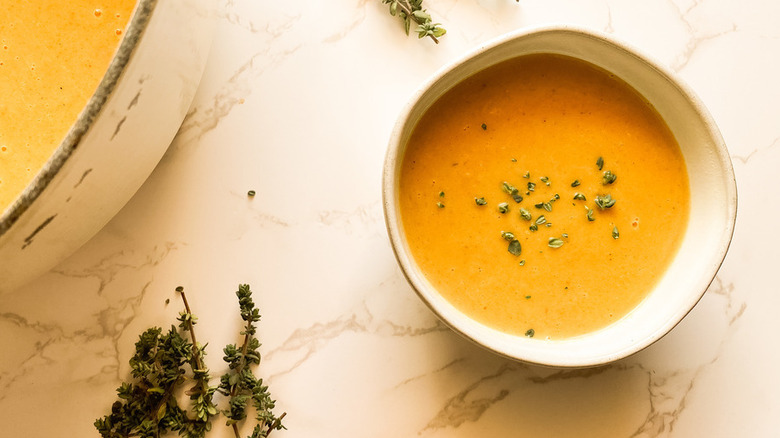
x=115 y=143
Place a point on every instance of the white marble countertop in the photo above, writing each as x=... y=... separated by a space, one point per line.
x=297 y=103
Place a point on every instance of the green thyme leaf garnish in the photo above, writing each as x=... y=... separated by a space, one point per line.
x=514 y=248
x=615 y=233
x=605 y=201
x=512 y=190
x=575 y=183
x=530 y=333
x=484 y=127
x=608 y=177
x=440 y=205
x=525 y=214
x=554 y=242
x=548 y=224
x=531 y=186
x=508 y=235
x=600 y=163
x=503 y=207
x=480 y=201
x=522 y=262
x=545 y=180
x=527 y=174
x=251 y=193
x=539 y=205
x=411 y=11
x=540 y=220
x=579 y=196
x=565 y=236
x=533 y=227
x=441 y=194
x=547 y=206
x=589 y=214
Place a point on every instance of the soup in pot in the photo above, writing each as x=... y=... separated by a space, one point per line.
x=53 y=54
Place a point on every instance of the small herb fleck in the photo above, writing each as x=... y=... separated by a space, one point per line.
x=522 y=262
x=484 y=127
x=508 y=235
x=441 y=194
x=589 y=214
x=514 y=160
x=540 y=220
x=251 y=193
x=503 y=207
x=545 y=180
x=615 y=233
x=531 y=186
x=579 y=196
x=547 y=206
x=554 y=242
x=533 y=227
x=530 y=333
x=480 y=201
x=600 y=163
x=527 y=297
x=512 y=190
x=514 y=248
x=605 y=201
x=525 y=214
x=608 y=177
x=527 y=174
x=565 y=236
x=440 y=205
x=575 y=183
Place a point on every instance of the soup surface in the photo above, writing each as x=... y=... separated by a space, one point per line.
x=543 y=197
x=53 y=54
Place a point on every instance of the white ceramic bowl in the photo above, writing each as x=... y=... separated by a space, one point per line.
x=712 y=211
x=118 y=139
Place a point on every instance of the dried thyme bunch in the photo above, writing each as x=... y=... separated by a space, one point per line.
x=166 y=364
x=411 y=10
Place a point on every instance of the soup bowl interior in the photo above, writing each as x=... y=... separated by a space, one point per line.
x=713 y=200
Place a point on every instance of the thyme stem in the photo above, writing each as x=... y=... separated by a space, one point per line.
x=407 y=8
x=411 y=10
x=234 y=390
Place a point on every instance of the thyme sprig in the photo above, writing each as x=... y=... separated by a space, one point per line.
x=411 y=11
x=164 y=363
x=201 y=393
x=240 y=383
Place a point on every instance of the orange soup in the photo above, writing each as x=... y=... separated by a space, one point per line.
x=543 y=197
x=53 y=54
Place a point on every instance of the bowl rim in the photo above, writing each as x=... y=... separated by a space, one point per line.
x=405 y=260
x=134 y=30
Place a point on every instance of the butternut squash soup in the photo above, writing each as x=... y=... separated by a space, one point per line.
x=543 y=196
x=53 y=54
